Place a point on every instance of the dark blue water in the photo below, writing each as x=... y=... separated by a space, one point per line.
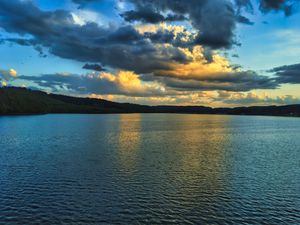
x=149 y=169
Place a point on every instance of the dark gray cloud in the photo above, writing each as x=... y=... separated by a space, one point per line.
x=95 y=67
x=266 y=6
x=216 y=24
x=278 y=5
x=124 y=47
x=215 y=20
x=287 y=74
x=26 y=42
x=164 y=36
x=244 y=20
x=150 y=16
x=235 y=81
x=121 y=47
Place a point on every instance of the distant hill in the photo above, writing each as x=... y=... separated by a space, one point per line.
x=16 y=101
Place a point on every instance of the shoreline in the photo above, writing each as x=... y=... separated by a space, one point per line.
x=16 y=101
x=145 y=113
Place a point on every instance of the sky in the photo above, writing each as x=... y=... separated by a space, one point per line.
x=218 y=53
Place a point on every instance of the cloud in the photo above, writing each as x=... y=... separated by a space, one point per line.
x=154 y=57
x=163 y=33
x=3 y=84
x=7 y=75
x=244 y=4
x=95 y=67
x=287 y=74
x=202 y=98
x=83 y=16
x=214 y=20
x=147 y=15
x=27 y=42
x=124 y=86
x=207 y=98
x=277 y=5
x=190 y=71
x=12 y=72
x=130 y=84
x=239 y=81
x=201 y=74
x=244 y=20
x=124 y=47
x=117 y=47
x=266 y=6
x=122 y=83
x=251 y=98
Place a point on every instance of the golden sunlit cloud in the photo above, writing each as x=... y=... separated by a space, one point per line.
x=3 y=83
x=182 y=98
x=129 y=82
x=206 y=98
x=199 y=66
x=13 y=72
x=7 y=75
x=177 y=30
x=252 y=98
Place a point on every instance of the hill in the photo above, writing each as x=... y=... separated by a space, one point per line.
x=15 y=101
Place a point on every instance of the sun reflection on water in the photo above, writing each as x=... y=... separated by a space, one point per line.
x=129 y=141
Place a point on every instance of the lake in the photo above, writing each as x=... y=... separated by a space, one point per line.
x=149 y=169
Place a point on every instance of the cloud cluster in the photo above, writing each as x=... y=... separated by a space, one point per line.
x=218 y=99
x=233 y=86
x=266 y=6
x=251 y=98
x=126 y=86
x=146 y=54
x=213 y=20
x=7 y=75
x=122 y=83
x=287 y=74
x=163 y=51
x=130 y=84
x=118 y=47
x=235 y=81
x=278 y=5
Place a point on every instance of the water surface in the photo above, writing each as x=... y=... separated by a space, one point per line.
x=149 y=169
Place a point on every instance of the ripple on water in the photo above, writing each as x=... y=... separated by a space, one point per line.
x=149 y=169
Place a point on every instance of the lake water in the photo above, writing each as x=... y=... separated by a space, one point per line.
x=149 y=169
